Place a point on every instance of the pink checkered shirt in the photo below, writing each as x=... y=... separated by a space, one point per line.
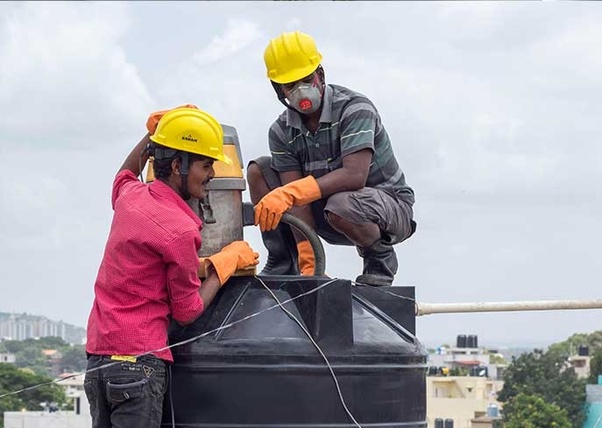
x=149 y=270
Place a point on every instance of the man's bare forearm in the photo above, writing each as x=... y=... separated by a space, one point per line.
x=137 y=158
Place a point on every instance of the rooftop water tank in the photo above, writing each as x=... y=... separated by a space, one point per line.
x=247 y=363
x=493 y=410
x=472 y=341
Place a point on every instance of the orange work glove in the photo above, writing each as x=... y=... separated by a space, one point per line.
x=270 y=208
x=234 y=256
x=307 y=259
x=155 y=117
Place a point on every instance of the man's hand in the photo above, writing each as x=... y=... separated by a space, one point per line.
x=155 y=117
x=270 y=208
x=234 y=256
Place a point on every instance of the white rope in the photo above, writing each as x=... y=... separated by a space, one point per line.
x=192 y=339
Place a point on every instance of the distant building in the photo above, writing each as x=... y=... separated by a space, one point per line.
x=7 y=358
x=24 y=326
x=581 y=365
x=53 y=358
x=463 y=399
x=580 y=362
x=467 y=357
x=462 y=386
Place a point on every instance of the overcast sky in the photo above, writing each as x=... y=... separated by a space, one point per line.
x=493 y=109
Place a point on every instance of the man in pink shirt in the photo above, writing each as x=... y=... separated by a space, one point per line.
x=149 y=271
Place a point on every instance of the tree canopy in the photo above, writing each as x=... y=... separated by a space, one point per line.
x=532 y=411
x=28 y=354
x=14 y=379
x=545 y=375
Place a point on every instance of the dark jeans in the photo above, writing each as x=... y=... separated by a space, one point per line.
x=124 y=394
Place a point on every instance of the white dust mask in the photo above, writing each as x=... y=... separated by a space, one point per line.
x=306 y=97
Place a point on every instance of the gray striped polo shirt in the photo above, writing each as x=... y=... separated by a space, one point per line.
x=349 y=122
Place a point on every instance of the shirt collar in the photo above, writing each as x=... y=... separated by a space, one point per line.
x=293 y=117
x=163 y=190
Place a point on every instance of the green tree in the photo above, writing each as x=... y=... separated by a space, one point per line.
x=31 y=357
x=497 y=359
x=29 y=354
x=14 y=379
x=594 y=340
x=74 y=358
x=14 y=346
x=533 y=411
x=545 y=375
x=50 y=342
x=458 y=371
x=571 y=345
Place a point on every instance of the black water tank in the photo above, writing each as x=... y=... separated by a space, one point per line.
x=472 y=341
x=438 y=423
x=254 y=366
x=461 y=341
x=449 y=423
x=583 y=350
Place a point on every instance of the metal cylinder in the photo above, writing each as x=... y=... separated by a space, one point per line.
x=221 y=212
x=221 y=209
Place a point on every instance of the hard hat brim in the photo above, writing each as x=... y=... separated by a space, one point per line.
x=293 y=75
x=224 y=159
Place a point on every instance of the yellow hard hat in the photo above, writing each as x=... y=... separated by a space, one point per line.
x=291 y=57
x=193 y=131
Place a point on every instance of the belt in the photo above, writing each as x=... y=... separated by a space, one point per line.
x=128 y=358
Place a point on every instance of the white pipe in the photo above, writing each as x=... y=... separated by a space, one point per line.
x=537 y=305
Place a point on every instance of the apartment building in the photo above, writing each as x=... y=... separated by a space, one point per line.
x=462 y=386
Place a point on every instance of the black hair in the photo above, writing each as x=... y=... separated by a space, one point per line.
x=162 y=166
x=164 y=157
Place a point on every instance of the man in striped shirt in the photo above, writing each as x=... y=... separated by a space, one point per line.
x=331 y=165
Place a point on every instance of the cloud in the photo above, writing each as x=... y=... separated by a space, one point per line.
x=491 y=108
x=238 y=35
x=64 y=75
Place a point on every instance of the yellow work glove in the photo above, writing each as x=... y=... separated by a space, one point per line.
x=306 y=259
x=270 y=208
x=155 y=117
x=234 y=256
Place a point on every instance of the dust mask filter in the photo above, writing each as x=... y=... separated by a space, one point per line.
x=305 y=97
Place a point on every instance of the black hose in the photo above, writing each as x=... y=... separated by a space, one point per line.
x=248 y=213
x=313 y=238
